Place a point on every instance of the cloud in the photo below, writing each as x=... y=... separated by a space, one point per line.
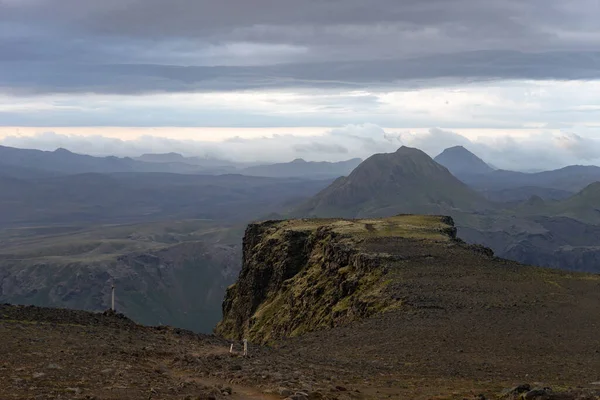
x=320 y=148
x=135 y=46
x=457 y=64
x=539 y=150
x=571 y=105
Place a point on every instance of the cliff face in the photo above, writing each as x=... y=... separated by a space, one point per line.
x=305 y=275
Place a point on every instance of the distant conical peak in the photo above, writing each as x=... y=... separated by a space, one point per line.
x=459 y=160
x=458 y=149
x=299 y=161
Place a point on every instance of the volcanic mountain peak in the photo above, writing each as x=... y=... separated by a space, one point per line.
x=459 y=161
x=406 y=181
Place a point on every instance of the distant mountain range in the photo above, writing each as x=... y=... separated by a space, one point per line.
x=300 y=168
x=25 y=163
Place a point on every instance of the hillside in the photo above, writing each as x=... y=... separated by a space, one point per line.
x=584 y=206
x=461 y=161
x=401 y=297
x=305 y=169
x=391 y=308
x=407 y=181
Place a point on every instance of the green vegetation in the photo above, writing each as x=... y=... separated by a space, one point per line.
x=407 y=226
x=323 y=273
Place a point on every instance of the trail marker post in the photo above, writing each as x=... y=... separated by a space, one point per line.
x=113 y=298
x=245 y=347
x=231 y=349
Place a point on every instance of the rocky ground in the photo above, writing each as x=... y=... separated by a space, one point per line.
x=60 y=354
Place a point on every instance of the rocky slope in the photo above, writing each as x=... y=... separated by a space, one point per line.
x=403 y=295
x=302 y=275
x=351 y=309
x=66 y=354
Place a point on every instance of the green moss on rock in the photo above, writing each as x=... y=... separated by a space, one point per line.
x=304 y=275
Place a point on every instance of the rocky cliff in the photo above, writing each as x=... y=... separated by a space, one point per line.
x=303 y=275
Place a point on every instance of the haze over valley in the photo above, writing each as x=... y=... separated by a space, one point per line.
x=74 y=224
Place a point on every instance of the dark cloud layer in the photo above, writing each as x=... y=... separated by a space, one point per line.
x=135 y=46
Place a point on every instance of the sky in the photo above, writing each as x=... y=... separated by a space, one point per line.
x=517 y=81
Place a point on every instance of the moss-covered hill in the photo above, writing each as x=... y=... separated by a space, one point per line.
x=307 y=275
x=300 y=275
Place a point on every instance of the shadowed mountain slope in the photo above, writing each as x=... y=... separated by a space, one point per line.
x=407 y=181
x=461 y=161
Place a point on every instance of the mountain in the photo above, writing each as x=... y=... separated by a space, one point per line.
x=402 y=297
x=300 y=168
x=572 y=178
x=530 y=230
x=498 y=184
x=407 y=181
x=561 y=234
x=62 y=161
x=26 y=163
x=583 y=206
x=460 y=161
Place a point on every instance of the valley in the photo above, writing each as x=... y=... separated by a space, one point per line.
x=335 y=310
x=171 y=273
x=172 y=243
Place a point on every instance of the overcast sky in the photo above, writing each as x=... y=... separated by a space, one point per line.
x=522 y=72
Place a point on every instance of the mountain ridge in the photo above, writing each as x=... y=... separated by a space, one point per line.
x=302 y=168
x=406 y=181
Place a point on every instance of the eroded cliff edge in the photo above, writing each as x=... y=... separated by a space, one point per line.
x=304 y=275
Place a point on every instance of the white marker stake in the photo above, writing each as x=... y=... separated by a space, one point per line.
x=231 y=348
x=245 y=347
x=113 y=298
